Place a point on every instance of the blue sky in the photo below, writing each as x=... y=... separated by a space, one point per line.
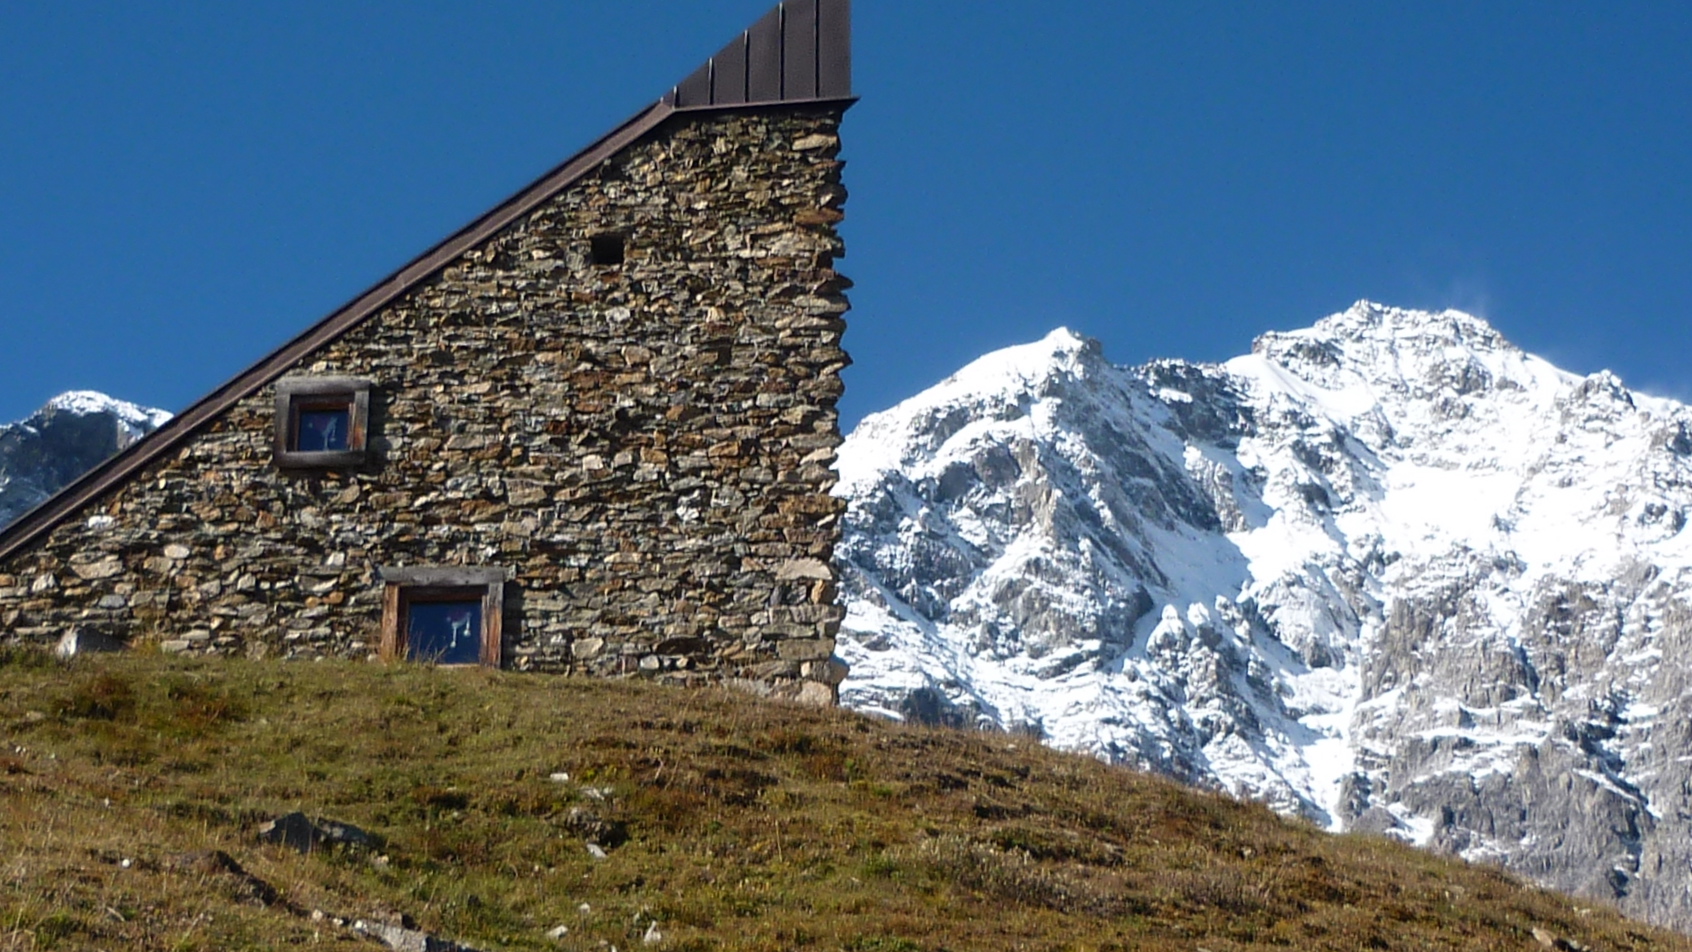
x=184 y=186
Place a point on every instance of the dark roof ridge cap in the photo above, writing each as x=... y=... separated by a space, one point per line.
x=844 y=102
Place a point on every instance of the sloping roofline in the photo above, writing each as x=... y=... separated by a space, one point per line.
x=798 y=53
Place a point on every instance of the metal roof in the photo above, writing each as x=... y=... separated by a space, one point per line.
x=799 y=52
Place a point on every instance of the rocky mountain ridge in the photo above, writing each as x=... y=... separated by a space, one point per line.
x=1388 y=572
x=72 y=434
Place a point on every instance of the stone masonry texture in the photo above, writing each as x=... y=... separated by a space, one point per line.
x=646 y=446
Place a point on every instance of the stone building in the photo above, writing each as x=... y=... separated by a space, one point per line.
x=591 y=432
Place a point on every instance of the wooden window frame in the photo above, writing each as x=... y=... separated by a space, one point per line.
x=296 y=393
x=403 y=585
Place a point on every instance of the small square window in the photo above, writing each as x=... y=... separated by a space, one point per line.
x=322 y=422
x=443 y=615
x=606 y=248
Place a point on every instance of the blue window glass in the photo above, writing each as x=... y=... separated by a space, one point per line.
x=323 y=428
x=444 y=632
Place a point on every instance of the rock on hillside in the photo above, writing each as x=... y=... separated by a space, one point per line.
x=1389 y=572
x=72 y=434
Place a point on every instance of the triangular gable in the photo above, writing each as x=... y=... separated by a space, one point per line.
x=799 y=52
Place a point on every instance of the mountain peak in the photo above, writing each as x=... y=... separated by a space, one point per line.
x=1387 y=571
x=1061 y=351
x=1449 y=327
x=1367 y=327
x=1002 y=384
x=1388 y=353
x=90 y=402
x=74 y=432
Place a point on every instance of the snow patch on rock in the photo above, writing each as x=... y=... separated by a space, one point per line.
x=72 y=434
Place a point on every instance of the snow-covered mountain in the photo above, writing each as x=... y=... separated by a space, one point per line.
x=1388 y=572
x=72 y=434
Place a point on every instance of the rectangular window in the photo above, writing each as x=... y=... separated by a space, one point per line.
x=444 y=614
x=320 y=428
x=322 y=422
x=444 y=627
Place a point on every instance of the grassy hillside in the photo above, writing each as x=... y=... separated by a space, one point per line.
x=726 y=823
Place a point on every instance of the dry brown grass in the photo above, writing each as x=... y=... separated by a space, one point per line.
x=731 y=823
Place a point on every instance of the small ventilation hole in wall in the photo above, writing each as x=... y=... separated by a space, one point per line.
x=606 y=249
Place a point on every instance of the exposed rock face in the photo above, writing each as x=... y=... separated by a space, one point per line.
x=1388 y=572
x=645 y=444
x=71 y=435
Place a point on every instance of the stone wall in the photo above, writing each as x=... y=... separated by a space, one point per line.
x=647 y=445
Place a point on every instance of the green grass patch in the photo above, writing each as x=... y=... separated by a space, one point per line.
x=504 y=807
